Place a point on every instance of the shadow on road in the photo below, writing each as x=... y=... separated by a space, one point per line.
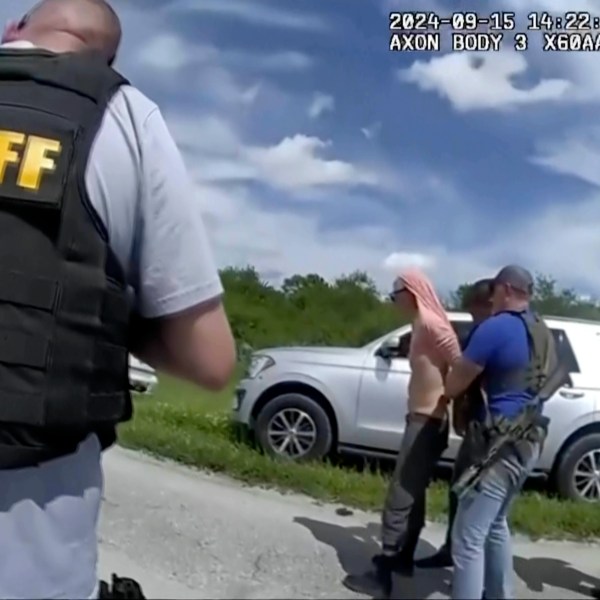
x=355 y=546
x=539 y=572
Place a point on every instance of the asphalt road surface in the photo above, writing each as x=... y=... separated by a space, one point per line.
x=185 y=534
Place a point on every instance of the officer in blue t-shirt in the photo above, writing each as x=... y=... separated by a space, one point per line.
x=500 y=351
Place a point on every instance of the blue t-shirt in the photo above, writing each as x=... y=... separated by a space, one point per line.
x=500 y=344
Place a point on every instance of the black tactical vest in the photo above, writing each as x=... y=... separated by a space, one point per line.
x=64 y=308
x=542 y=360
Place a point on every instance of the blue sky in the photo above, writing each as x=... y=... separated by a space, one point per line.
x=315 y=149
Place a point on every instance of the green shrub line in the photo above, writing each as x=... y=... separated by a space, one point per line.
x=347 y=311
x=194 y=428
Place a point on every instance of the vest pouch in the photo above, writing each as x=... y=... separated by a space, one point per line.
x=27 y=303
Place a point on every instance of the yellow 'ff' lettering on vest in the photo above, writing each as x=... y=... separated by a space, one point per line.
x=31 y=153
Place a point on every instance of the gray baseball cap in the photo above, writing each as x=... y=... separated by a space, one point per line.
x=517 y=277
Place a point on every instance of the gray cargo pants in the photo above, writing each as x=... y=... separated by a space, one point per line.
x=425 y=439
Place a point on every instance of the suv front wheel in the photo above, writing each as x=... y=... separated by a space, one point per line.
x=295 y=427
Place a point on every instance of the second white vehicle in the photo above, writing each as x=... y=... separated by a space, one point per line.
x=142 y=377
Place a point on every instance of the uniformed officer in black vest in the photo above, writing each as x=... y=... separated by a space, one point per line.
x=99 y=221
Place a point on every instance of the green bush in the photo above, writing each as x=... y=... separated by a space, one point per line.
x=350 y=311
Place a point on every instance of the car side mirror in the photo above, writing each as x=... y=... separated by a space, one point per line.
x=388 y=349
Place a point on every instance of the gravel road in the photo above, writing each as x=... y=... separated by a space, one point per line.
x=185 y=534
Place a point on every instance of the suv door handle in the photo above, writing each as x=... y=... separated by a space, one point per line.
x=571 y=395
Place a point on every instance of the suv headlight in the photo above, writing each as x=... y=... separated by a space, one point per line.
x=258 y=363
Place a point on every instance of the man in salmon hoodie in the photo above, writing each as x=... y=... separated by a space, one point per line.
x=433 y=348
x=478 y=302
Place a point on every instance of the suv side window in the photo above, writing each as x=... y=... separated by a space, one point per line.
x=561 y=340
x=566 y=355
x=404 y=345
x=462 y=329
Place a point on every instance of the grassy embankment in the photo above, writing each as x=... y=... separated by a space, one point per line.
x=184 y=424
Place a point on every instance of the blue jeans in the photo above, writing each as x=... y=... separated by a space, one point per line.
x=481 y=544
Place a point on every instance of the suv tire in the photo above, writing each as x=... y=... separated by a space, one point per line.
x=565 y=470
x=307 y=414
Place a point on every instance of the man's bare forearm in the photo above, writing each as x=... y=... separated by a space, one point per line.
x=167 y=345
x=148 y=346
x=196 y=344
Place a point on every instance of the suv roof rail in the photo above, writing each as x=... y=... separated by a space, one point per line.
x=573 y=320
x=457 y=313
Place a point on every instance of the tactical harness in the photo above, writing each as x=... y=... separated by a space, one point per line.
x=531 y=379
x=542 y=359
x=490 y=439
x=64 y=306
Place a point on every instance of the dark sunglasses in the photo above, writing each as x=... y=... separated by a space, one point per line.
x=23 y=21
x=393 y=295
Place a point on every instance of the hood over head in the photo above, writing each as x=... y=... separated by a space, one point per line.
x=429 y=305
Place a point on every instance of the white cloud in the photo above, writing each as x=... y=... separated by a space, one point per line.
x=169 y=52
x=253 y=12
x=285 y=242
x=201 y=65
x=283 y=61
x=577 y=154
x=481 y=81
x=580 y=68
x=208 y=134
x=225 y=164
x=218 y=83
x=250 y=94
x=280 y=240
x=221 y=162
x=371 y=131
x=563 y=241
x=396 y=261
x=295 y=164
x=320 y=104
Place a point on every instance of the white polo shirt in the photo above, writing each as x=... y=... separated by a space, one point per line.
x=138 y=184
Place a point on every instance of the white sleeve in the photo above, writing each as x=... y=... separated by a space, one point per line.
x=175 y=264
